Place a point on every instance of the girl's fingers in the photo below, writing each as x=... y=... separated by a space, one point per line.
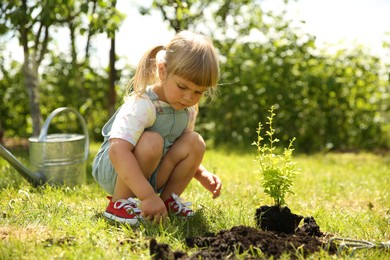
x=156 y=217
x=217 y=189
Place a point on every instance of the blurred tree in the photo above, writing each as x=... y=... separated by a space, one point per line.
x=34 y=22
x=338 y=101
x=179 y=14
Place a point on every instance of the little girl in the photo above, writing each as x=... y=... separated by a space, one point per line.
x=150 y=151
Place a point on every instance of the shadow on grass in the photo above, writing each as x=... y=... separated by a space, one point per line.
x=174 y=227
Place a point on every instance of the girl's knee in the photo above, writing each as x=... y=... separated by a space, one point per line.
x=153 y=138
x=196 y=142
x=150 y=143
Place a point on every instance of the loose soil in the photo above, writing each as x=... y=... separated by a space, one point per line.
x=257 y=243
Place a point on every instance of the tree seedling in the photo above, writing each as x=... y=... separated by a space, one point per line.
x=277 y=170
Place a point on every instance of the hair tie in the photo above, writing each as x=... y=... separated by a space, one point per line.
x=161 y=56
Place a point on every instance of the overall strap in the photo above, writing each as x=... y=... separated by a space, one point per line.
x=153 y=96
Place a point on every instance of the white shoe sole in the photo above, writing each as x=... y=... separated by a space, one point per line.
x=132 y=222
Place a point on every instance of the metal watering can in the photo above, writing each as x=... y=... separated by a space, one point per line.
x=56 y=159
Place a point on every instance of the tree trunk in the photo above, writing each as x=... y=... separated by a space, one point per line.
x=30 y=69
x=112 y=79
x=32 y=87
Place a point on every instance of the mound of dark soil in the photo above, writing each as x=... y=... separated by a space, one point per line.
x=275 y=218
x=224 y=244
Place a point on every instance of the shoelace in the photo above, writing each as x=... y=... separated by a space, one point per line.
x=180 y=204
x=129 y=204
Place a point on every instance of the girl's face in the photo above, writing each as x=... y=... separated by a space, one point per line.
x=181 y=93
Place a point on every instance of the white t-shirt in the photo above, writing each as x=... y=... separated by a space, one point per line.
x=138 y=113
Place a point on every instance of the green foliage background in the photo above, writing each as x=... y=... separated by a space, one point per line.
x=328 y=101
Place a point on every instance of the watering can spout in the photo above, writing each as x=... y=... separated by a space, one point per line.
x=35 y=178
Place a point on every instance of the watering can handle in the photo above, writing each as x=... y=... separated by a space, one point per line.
x=43 y=133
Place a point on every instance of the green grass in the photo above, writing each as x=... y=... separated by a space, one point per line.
x=348 y=195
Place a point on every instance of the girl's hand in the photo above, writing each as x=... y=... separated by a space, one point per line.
x=210 y=181
x=153 y=208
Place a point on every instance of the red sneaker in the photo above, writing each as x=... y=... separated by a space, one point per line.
x=124 y=211
x=178 y=207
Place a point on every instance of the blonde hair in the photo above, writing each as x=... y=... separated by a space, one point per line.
x=188 y=55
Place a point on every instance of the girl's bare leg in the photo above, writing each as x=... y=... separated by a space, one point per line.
x=180 y=164
x=148 y=153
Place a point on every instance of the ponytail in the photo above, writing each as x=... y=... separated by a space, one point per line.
x=146 y=72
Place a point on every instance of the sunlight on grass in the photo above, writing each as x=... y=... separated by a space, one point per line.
x=347 y=194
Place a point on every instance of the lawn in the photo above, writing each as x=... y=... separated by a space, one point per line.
x=347 y=194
